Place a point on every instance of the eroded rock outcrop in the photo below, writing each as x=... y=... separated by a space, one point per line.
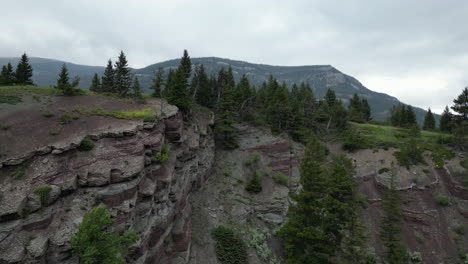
x=142 y=194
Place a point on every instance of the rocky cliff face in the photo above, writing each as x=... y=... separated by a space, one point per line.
x=143 y=195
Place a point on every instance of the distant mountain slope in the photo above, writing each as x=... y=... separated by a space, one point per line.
x=320 y=77
x=45 y=71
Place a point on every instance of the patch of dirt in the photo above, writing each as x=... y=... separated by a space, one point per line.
x=29 y=128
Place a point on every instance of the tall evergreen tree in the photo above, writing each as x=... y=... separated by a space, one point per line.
x=391 y=225
x=158 y=83
x=410 y=116
x=429 y=121
x=95 y=84
x=177 y=90
x=123 y=76
x=136 y=89
x=330 y=97
x=186 y=64
x=108 y=78
x=24 y=71
x=63 y=82
x=366 y=110
x=225 y=132
x=200 y=88
x=446 y=121
x=461 y=105
x=315 y=227
x=7 y=77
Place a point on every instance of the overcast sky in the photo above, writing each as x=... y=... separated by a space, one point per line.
x=414 y=50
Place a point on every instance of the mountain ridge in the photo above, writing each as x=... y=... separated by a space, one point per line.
x=320 y=77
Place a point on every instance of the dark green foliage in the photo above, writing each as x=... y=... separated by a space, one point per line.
x=460 y=105
x=5 y=99
x=391 y=226
x=354 y=140
x=7 y=77
x=67 y=118
x=177 y=85
x=136 y=88
x=446 y=121
x=24 y=71
x=330 y=97
x=44 y=193
x=230 y=249
x=464 y=163
x=95 y=84
x=161 y=156
x=225 y=132
x=255 y=183
x=402 y=116
x=316 y=224
x=63 y=82
x=186 y=64
x=201 y=88
x=55 y=131
x=280 y=178
x=429 y=121
x=19 y=171
x=383 y=170
x=108 y=78
x=158 y=83
x=94 y=243
x=410 y=151
x=86 y=144
x=443 y=200
x=359 y=109
x=122 y=76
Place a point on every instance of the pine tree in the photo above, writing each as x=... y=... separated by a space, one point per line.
x=330 y=97
x=366 y=110
x=186 y=64
x=446 y=121
x=136 y=89
x=429 y=121
x=225 y=132
x=461 y=106
x=108 y=79
x=24 y=71
x=314 y=230
x=122 y=77
x=63 y=82
x=200 y=88
x=177 y=85
x=7 y=77
x=410 y=116
x=391 y=225
x=95 y=84
x=158 y=83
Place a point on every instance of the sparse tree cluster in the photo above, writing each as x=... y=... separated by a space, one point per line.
x=63 y=82
x=359 y=109
x=402 y=116
x=22 y=75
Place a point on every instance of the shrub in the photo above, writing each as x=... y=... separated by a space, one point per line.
x=460 y=229
x=415 y=257
x=161 y=156
x=255 y=184
x=4 y=127
x=86 y=144
x=94 y=243
x=443 y=200
x=44 y=193
x=230 y=249
x=47 y=114
x=383 y=170
x=410 y=153
x=19 y=172
x=68 y=118
x=353 y=140
x=464 y=163
x=280 y=178
x=56 y=131
x=4 y=99
x=149 y=118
